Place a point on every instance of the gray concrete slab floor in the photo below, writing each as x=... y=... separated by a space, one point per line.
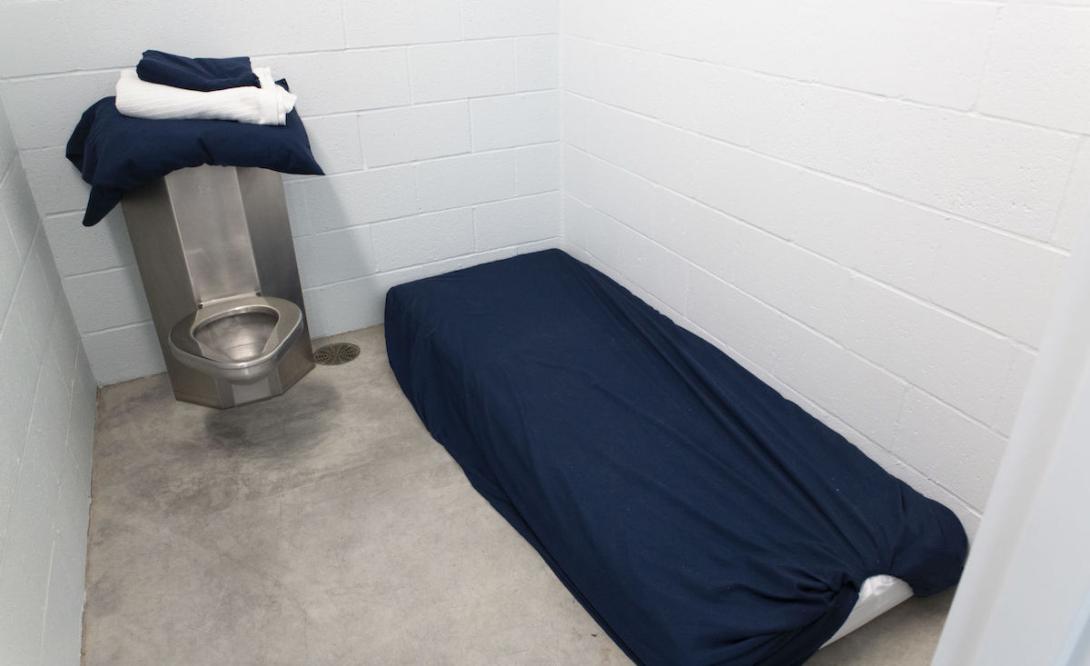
x=327 y=527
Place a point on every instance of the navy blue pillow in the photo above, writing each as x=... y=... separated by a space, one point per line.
x=202 y=74
x=116 y=153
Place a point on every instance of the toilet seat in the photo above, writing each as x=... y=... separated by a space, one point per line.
x=234 y=339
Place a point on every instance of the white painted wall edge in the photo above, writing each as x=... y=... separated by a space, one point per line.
x=1025 y=592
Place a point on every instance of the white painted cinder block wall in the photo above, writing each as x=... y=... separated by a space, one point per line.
x=866 y=203
x=47 y=421
x=436 y=120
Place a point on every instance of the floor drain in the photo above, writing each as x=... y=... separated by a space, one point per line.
x=336 y=353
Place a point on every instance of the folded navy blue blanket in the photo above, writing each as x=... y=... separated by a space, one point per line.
x=698 y=516
x=116 y=153
x=202 y=74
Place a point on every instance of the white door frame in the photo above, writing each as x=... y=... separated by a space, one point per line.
x=1025 y=595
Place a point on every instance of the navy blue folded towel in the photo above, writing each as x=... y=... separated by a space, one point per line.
x=202 y=74
x=116 y=153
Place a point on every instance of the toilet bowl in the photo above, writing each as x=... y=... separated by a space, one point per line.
x=239 y=339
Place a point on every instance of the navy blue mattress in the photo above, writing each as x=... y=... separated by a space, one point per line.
x=699 y=516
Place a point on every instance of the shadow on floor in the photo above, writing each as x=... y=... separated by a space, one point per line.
x=267 y=428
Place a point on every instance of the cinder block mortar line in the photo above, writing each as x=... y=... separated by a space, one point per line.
x=854 y=271
x=830 y=86
x=1047 y=245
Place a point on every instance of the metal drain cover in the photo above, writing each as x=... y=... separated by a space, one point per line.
x=336 y=353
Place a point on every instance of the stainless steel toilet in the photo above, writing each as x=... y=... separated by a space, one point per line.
x=240 y=340
x=215 y=252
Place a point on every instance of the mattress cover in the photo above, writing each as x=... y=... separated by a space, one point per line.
x=877 y=595
x=697 y=515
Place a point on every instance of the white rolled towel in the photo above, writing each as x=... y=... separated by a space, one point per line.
x=268 y=105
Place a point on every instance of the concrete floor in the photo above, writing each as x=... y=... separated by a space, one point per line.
x=327 y=527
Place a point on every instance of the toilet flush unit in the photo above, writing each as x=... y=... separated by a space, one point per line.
x=215 y=253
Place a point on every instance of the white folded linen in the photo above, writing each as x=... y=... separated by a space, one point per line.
x=268 y=105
